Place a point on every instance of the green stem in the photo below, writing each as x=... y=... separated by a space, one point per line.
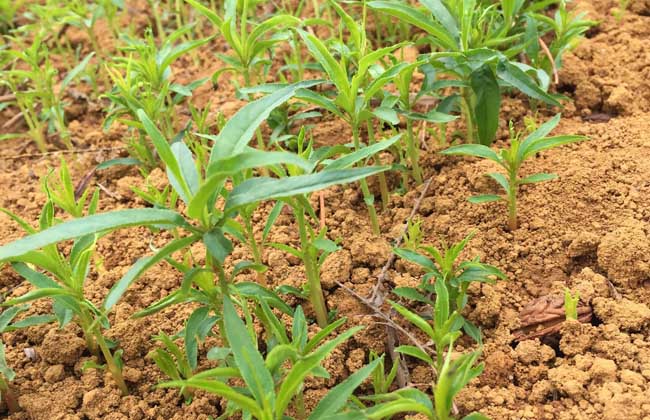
x=413 y=152
x=383 y=185
x=512 y=203
x=8 y=396
x=115 y=370
x=311 y=267
x=368 y=198
x=466 y=104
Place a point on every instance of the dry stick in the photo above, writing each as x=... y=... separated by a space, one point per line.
x=11 y=121
x=377 y=298
x=38 y=155
x=391 y=326
x=109 y=192
x=556 y=77
x=6 y=98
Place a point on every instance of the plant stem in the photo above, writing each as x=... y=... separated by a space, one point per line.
x=255 y=248
x=413 y=152
x=466 y=104
x=368 y=198
x=512 y=203
x=311 y=267
x=8 y=396
x=115 y=370
x=383 y=185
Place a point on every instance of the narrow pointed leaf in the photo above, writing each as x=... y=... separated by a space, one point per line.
x=88 y=225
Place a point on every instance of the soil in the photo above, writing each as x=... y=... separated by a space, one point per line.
x=588 y=230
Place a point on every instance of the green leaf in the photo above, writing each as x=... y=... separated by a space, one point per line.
x=488 y=103
x=416 y=258
x=415 y=352
x=142 y=265
x=248 y=359
x=217 y=244
x=89 y=225
x=351 y=159
x=293 y=381
x=39 y=294
x=550 y=142
x=413 y=318
x=500 y=179
x=239 y=129
x=340 y=394
x=167 y=155
x=263 y=188
x=386 y=114
x=485 y=198
x=72 y=74
x=541 y=177
x=254 y=158
x=477 y=150
x=220 y=389
x=334 y=69
x=412 y=16
x=516 y=77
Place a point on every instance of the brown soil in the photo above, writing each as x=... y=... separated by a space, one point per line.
x=586 y=230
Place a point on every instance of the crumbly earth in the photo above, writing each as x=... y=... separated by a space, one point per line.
x=587 y=230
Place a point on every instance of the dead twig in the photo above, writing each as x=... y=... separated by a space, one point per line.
x=556 y=77
x=377 y=298
x=109 y=192
x=13 y=120
x=56 y=152
x=7 y=98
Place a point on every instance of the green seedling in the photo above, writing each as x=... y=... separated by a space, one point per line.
x=452 y=372
x=405 y=103
x=275 y=380
x=567 y=28
x=382 y=381
x=352 y=76
x=249 y=41
x=571 y=304
x=143 y=81
x=511 y=159
x=443 y=266
x=32 y=78
x=202 y=221
x=180 y=363
x=6 y=373
x=412 y=238
x=475 y=45
x=63 y=277
x=8 y=11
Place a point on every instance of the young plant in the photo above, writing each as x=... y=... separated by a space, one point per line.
x=511 y=160
x=143 y=81
x=181 y=363
x=442 y=266
x=248 y=40
x=405 y=102
x=571 y=304
x=475 y=43
x=352 y=76
x=567 y=29
x=274 y=381
x=32 y=78
x=63 y=277
x=452 y=372
x=412 y=238
x=202 y=220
